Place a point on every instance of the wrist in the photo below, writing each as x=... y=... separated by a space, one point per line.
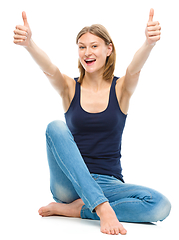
x=29 y=47
x=149 y=45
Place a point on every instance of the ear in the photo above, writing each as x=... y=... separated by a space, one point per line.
x=110 y=48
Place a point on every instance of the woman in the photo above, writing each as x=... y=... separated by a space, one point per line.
x=84 y=154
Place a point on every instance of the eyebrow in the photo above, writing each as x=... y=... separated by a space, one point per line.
x=90 y=43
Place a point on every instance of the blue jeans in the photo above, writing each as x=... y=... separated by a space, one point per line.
x=70 y=179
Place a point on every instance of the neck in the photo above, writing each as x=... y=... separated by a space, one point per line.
x=94 y=81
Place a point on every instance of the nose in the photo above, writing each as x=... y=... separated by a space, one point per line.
x=88 y=52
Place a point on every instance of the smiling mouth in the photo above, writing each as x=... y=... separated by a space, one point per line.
x=90 y=62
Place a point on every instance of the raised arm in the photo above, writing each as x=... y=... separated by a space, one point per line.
x=152 y=36
x=130 y=80
x=23 y=37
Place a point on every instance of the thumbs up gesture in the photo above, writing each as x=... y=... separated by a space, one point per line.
x=22 y=34
x=153 y=29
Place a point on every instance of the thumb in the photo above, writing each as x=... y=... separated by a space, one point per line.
x=25 y=19
x=151 y=15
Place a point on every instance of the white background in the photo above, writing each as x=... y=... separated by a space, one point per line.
x=28 y=103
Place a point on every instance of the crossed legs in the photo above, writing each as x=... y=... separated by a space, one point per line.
x=76 y=192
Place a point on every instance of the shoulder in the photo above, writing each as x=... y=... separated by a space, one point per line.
x=70 y=81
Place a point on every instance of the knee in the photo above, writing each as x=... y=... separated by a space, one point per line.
x=55 y=125
x=162 y=209
x=165 y=209
x=57 y=128
x=64 y=193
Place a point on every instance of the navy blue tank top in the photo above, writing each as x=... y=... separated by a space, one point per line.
x=98 y=135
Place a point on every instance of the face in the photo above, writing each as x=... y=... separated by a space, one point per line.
x=93 y=52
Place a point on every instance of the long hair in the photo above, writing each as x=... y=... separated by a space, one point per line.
x=99 y=31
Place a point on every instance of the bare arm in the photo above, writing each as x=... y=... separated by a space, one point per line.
x=140 y=58
x=133 y=70
x=152 y=36
x=128 y=83
x=41 y=58
x=23 y=37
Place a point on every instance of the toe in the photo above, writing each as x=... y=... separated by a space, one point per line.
x=106 y=231
x=123 y=231
x=116 y=230
x=40 y=211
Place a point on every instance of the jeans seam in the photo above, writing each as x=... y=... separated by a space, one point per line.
x=132 y=201
x=101 y=200
x=136 y=190
x=84 y=208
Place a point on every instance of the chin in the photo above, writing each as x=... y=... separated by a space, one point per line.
x=94 y=69
x=90 y=71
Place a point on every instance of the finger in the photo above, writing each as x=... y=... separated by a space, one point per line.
x=16 y=36
x=24 y=16
x=153 y=24
x=23 y=28
x=154 y=28
x=18 y=42
x=20 y=32
x=151 y=15
x=154 y=33
x=155 y=38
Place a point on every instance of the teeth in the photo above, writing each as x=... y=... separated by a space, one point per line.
x=89 y=60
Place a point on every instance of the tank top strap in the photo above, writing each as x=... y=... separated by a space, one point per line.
x=113 y=97
x=77 y=91
x=114 y=81
x=114 y=85
x=76 y=79
x=76 y=98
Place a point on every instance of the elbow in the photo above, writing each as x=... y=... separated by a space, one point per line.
x=133 y=72
x=50 y=70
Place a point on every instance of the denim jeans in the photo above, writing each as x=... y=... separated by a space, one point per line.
x=70 y=179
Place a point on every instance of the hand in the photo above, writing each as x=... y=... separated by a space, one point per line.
x=22 y=34
x=153 y=29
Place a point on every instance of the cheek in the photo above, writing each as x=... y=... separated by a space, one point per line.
x=81 y=57
x=102 y=54
x=80 y=54
x=102 y=58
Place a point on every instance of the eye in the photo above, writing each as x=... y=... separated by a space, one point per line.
x=94 y=46
x=81 y=47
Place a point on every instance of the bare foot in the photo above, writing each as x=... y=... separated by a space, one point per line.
x=69 y=210
x=109 y=221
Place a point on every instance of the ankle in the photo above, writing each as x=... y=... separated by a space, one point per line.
x=103 y=208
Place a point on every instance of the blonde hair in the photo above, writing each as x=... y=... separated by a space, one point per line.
x=99 y=31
